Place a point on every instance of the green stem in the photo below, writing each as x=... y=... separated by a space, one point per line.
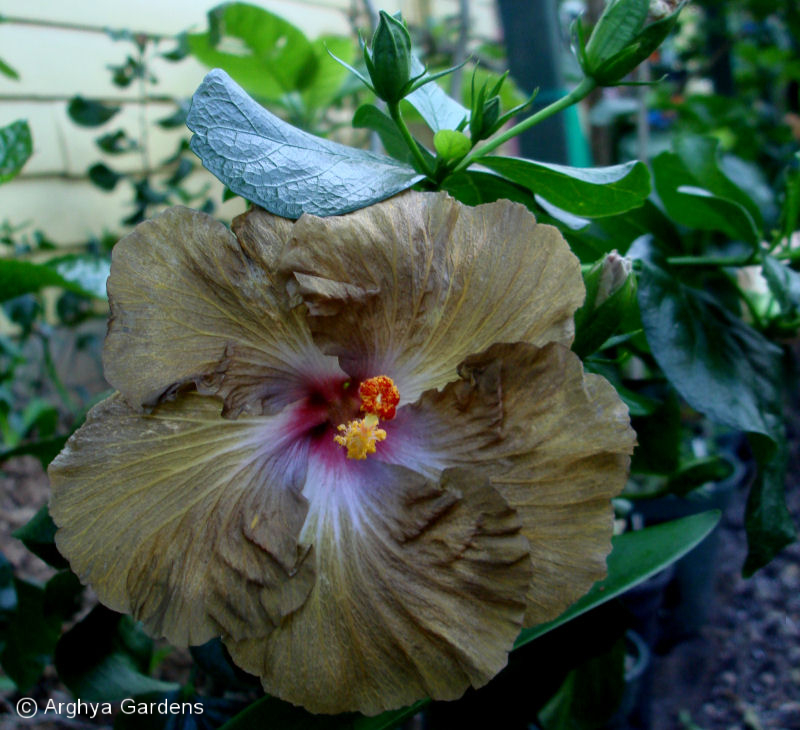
x=80 y=27
x=52 y=373
x=710 y=260
x=581 y=91
x=422 y=165
x=8 y=438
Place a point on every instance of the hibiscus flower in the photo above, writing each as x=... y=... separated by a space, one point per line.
x=356 y=448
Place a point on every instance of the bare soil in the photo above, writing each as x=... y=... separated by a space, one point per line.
x=741 y=671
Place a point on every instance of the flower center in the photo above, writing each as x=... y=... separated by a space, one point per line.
x=379 y=397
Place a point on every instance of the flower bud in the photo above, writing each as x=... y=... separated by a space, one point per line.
x=622 y=39
x=485 y=117
x=614 y=272
x=482 y=124
x=662 y=8
x=450 y=144
x=389 y=60
x=610 y=294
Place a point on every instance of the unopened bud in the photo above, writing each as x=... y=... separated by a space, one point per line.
x=613 y=275
x=662 y=8
x=624 y=37
x=485 y=115
x=389 y=60
x=610 y=296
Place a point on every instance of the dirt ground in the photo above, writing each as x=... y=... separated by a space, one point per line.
x=741 y=671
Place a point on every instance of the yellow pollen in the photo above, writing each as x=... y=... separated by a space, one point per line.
x=359 y=437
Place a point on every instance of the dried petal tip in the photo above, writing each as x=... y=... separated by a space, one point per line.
x=360 y=437
x=379 y=395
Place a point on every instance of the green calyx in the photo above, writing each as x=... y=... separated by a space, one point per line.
x=485 y=114
x=389 y=59
x=621 y=40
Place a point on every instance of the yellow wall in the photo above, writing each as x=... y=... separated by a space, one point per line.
x=56 y=63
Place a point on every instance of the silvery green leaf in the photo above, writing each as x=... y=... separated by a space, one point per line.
x=279 y=167
x=439 y=110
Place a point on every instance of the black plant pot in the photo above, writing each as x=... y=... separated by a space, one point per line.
x=634 y=709
x=689 y=595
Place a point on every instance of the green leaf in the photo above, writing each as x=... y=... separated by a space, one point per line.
x=38 y=535
x=15 y=149
x=636 y=556
x=590 y=695
x=696 y=207
x=180 y=51
x=568 y=220
x=450 y=144
x=88 y=113
x=78 y=273
x=325 y=86
x=700 y=156
x=123 y=75
x=45 y=450
x=8 y=594
x=474 y=188
x=769 y=524
x=103 y=176
x=439 y=110
x=783 y=282
x=721 y=366
x=104 y=658
x=177 y=118
x=698 y=472
x=639 y=405
x=39 y=415
x=213 y=658
x=8 y=71
x=368 y=116
x=279 y=167
x=182 y=171
x=272 y=712
x=30 y=637
x=620 y=231
x=591 y=192
x=118 y=143
x=264 y=53
x=790 y=210
x=21 y=277
x=86 y=274
x=63 y=594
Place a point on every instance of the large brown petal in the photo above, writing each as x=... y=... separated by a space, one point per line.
x=412 y=285
x=420 y=592
x=191 y=303
x=556 y=444
x=185 y=519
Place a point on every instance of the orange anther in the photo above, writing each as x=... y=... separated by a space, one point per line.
x=379 y=395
